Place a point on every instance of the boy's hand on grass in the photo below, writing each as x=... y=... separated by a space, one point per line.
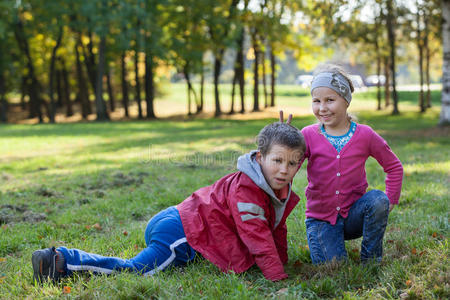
x=282 y=118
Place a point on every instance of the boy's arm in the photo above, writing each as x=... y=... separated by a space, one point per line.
x=250 y=216
x=280 y=238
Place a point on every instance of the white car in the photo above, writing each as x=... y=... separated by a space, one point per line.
x=304 y=80
x=372 y=80
x=357 y=81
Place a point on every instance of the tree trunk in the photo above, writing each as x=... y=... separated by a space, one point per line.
x=391 y=38
x=377 y=51
x=66 y=89
x=125 y=98
x=100 y=104
x=190 y=89
x=255 y=75
x=202 y=91
x=427 y=66
x=51 y=75
x=111 y=98
x=34 y=86
x=420 y=48
x=59 y=89
x=3 y=101
x=444 y=118
x=149 y=86
x=233 y=91
x=82 y=96
x=240 y=70
x=217 y=68
x=263 y=62
x=23 y=92
x=89 y=61
x=387 y=83
x=272 y=77
x=138 y=84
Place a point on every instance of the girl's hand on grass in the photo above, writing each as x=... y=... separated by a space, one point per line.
x=282 y=118
x=391 y=207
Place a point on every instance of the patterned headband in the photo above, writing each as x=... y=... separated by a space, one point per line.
x=334 y=81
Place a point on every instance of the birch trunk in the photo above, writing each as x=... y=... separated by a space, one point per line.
x=445 y=108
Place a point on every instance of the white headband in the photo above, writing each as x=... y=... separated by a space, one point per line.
x=334 y=81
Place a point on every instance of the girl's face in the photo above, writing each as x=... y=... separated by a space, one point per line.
x=329 y=108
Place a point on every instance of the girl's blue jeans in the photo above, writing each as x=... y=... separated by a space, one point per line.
x=367 y=218
x=166 y=246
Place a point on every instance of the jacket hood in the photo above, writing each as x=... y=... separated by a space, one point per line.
x=247 y=164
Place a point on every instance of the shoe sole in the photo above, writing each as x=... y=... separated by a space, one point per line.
x=36 y=261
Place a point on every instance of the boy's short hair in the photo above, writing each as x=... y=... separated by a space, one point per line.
x=280 y=133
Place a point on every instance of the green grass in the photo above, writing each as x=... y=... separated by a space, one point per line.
x=57 y=181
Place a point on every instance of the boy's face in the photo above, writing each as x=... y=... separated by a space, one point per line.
x=279 y=165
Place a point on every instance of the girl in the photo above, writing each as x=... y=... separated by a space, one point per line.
x=338 y=206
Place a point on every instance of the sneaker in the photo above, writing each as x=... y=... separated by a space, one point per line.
x=44 y=265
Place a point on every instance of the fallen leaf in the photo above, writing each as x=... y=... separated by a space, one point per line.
x=125 y=232
x=88 y=227
x=40 y=237
x=423 y=253
x=408 y=282
x=4 y=226
x=2 y=259
x=136 y=247
x=390 y=241
x=434 y=234
x=404 y=296
x=355 y=250
x=2 y=278
x=281 y=291
x=414 y=251
x=97 y=226
x=298 y=264
x=67 y=290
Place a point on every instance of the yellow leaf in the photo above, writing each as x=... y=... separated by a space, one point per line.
x=2 y=259
x=67 y=290
x=408 y=282
x=27 y=16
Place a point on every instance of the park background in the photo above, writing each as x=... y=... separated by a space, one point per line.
x=149 y=100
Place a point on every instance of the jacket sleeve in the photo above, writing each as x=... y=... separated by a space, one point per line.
x=392 y=166
x=280 y=238
x=250 y=213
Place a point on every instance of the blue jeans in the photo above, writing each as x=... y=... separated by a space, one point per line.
x=367 y=218
x=166 y=246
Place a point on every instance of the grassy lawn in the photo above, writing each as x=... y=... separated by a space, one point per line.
x=94 y=186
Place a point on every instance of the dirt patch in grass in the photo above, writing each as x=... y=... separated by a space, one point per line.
x=10 y=213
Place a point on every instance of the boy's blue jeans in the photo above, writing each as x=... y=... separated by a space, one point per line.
x=166 y=246
x=367 y=218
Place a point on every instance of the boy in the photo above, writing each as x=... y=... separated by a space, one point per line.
x=234 y=223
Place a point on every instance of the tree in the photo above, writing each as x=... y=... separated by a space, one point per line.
x=219 y=17
x=445 y=109
x=392 y=48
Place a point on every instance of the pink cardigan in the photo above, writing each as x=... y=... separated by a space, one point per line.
x=337 y=180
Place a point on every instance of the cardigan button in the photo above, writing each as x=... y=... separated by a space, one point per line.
x=338 y=208
x=338 y=156
x=337 y=192
x=338 y=174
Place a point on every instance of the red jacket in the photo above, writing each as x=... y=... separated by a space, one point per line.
x=231 y=223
